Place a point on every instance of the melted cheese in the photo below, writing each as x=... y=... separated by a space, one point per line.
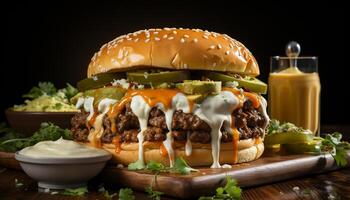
x=235 y=144
x=215 y=110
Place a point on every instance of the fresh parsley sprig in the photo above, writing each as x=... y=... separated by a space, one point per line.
x=47 y=131
x=126 y=194
x=43 y=88
x=332 y=144
x=229 y=192
x=49 y=89
x=155 y=195
x=81 y=191
x=180 y=166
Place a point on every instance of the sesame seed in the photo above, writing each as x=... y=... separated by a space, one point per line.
x=225 y=38
x=151 y=29
x=227 y=52
x=137 y=39
x=170 y=38
x=219 y=46
x=156 y=38
x=181 y=28
x=195 y=40
x=158 y=29
x=147 y=40
x=182 y=40
x=205 y=36
x=129 y=39
x=167 y=29
x=195 y=30
x=231 y=46
x=212 y=47
x=175 y=32
x=186 y=36
x=155 y=33
x=215 y=35
x=147 y=35
x=165 y=36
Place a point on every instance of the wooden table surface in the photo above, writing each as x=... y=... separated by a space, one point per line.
x=332 y=185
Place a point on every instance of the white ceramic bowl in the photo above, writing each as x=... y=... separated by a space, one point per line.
x=61 y=173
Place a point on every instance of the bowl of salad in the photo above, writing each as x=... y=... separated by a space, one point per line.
x=43 y=103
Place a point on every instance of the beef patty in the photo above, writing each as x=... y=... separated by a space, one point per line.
x=248 y=120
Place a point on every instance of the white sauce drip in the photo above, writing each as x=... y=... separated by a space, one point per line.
x=80 y=102
x=226 y=166
x=262 y=109
x=188 y=146
x=103 y=107
x=61 y=148
x=214 y=111
x=141 y=109
x=179 y=102
x=89 y=106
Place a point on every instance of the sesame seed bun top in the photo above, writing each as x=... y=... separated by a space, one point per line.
x=174 y=49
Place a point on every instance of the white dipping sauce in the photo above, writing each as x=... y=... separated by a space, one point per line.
x=61 y=148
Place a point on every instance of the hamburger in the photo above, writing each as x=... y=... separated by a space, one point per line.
x=159 y=94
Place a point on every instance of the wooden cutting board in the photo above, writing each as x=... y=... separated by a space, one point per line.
x=262 y=171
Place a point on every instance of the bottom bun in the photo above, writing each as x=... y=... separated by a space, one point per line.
x=248 y=150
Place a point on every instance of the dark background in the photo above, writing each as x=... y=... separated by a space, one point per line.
x=55 y=42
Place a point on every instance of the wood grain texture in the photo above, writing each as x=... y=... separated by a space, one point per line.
x=8 y=160
x=322 y=186
x=262 y=171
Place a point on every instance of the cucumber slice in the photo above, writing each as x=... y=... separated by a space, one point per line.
x=253 y=84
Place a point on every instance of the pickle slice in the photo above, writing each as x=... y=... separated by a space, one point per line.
x=74 y=99
x=288 y=138
x=196 y=98
x=98 y=81
x=300 y=148
x=253 y=84
x=156 y=78
x=199 y=87
x=116 y=93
